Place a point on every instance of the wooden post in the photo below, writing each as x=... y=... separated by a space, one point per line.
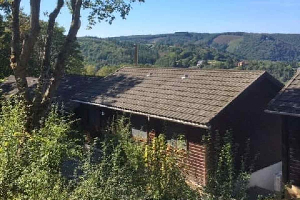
x=136 y=54
x=148 y=127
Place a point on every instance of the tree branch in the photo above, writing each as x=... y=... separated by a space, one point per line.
x=64 y=52
x=30 y=39
x=46 y=65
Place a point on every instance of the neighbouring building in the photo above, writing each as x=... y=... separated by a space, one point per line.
x=189 y=102
x=242 y=63
x=287 y=105
x=70 y=85
x=200 y=63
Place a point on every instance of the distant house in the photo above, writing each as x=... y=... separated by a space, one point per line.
x=189 y=102
x=242 y=63
x=287 y=105
x=200 y=63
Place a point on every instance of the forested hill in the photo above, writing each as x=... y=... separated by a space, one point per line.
x=248 y=46
x=278 y=54
x=112 y=51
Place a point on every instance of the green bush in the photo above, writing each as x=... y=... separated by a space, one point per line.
x=131 y=170
x=30 y=163
x=114 y=167
x=224 y=180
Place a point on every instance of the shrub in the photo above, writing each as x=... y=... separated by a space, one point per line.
x=131 y=170
x=113 y=167
x=224 y=180
x=30 y=163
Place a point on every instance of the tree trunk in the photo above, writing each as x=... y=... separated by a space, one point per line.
x=44 y=79
x=46 y=65
x=52 y=84
x=59 y=65
x=19 y=71
x=20 y=57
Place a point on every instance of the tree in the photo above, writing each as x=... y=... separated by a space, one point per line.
x=4 y=49
x=90 y=70
x=74 y=63
x=101 y=10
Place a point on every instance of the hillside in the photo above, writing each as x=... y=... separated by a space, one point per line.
x=248 y=46
x=278 y=54
x=102 y=52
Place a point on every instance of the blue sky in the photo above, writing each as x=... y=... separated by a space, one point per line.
x=209 y=16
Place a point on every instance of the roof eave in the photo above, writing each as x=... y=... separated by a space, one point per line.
x=282 y=113
x=204 y=126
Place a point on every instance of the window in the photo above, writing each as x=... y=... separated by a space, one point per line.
x=172 y=143
x=182 y=144
x=179 y=143
x=139 y=134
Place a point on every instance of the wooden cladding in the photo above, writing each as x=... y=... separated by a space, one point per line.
x=196 y=163
x=294 y=158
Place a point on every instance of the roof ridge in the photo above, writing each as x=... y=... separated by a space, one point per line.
x=191 y=69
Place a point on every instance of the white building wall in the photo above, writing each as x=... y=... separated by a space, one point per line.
x=265 y=178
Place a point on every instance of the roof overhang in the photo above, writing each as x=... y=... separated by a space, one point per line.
x=204 y=126
x=282 y=113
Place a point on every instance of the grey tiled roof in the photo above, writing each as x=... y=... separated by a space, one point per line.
x=70 y=85
x=163 y=92
x=287 y=102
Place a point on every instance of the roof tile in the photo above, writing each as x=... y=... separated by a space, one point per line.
x=288 y=100
x=196 y=99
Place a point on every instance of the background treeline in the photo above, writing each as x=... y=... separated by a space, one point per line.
x=248 y=46
x=104 y=56
x=101 y=52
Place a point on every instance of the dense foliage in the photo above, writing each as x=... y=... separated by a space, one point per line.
x=228 y=172
x=48 y=163
x=248 y=46
x=30 y=163
x=128 y=170
x=112 y=52
x=283 y=71
x=101 y=52
x=104 y=56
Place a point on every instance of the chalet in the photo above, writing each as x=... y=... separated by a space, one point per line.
x=189 y=102
x=287 y=105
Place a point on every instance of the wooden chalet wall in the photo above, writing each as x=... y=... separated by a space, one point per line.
x=291 y=143
x=196 y=167
x=93 y=121
x=246 y=119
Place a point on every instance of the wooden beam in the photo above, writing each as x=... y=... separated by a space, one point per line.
x=285 y=150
